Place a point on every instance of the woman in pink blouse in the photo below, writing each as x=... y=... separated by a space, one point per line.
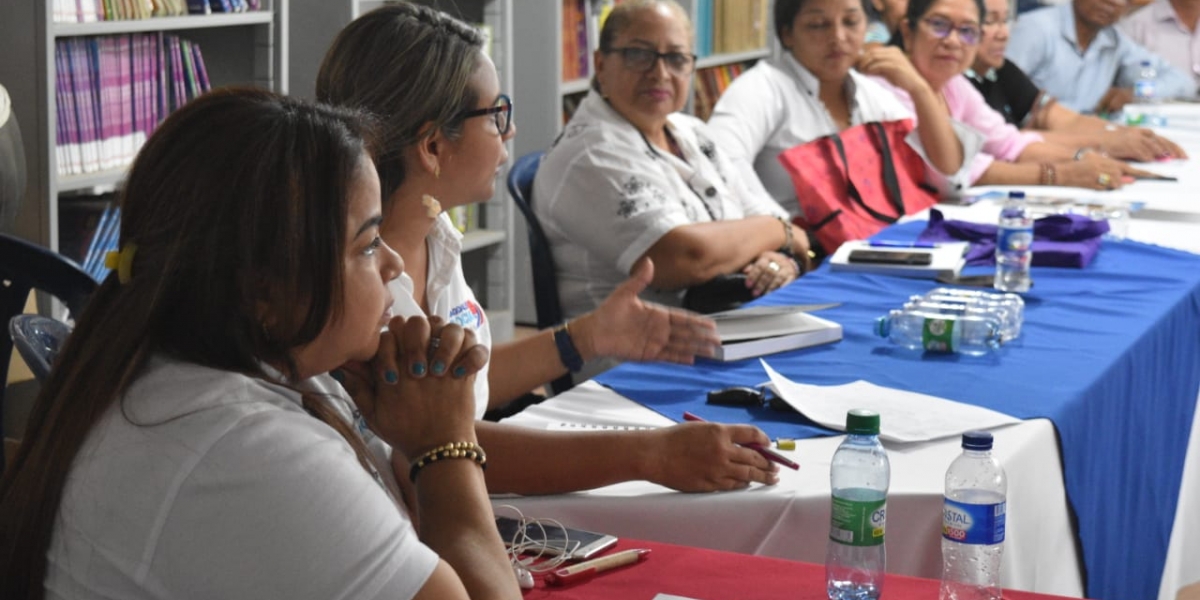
x=940 y=38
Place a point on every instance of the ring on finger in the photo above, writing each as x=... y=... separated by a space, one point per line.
x=434 y=343
x=1103 y=179
x=773 y=266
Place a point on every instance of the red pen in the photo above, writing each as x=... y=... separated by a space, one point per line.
x=766 y=452
x=588 y=569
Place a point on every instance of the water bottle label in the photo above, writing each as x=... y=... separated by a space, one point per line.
x=1143 y=89
x=973 y=523
x=937 y=335
x=858 y=523
x=1014 y=239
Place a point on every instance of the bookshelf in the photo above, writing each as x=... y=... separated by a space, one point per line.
x=540 y=91
x=238 y=48
x=487 y=249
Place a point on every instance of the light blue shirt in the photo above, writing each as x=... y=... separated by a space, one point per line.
x=1044 y=45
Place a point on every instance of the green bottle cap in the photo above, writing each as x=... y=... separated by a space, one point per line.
x=862 y=422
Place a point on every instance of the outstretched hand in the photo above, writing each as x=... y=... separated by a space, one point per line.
x=627 y=328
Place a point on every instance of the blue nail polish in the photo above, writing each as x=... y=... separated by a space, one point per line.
x=418 y=369
x=460 y=372
x=338 y=375
x=439 y=367
x=391 y=376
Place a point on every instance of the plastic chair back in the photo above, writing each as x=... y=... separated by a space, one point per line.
x=545 y=278
x=25 y=267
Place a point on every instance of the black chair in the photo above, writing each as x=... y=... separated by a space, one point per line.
x=38 y=340
x=25 y=267
x=545 y=278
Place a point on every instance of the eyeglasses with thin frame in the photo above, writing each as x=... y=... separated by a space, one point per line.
x=968 y=33
x=643 y=59
x=994 y=20
x=502 y=113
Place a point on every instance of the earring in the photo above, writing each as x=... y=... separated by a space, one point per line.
x=437 y=170
x=433 y=208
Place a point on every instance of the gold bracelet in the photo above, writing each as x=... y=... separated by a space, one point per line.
x=469 y=450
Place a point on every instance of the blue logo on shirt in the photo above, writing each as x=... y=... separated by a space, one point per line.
x=468 y=315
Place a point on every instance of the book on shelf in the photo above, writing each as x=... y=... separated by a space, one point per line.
x=710 y=83
x=755 y=331
x=945 y=259
x=112 y=91
x=465 y=218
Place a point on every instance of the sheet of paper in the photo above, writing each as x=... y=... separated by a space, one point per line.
x=671 y=597
x=904 y=416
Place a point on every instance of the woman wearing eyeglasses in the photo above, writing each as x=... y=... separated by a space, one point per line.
x=631 y=177
x=812 y=91
x=941 y=38
x=1009 y=91
x=443 y=124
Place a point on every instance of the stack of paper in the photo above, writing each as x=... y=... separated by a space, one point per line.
x=748 y=332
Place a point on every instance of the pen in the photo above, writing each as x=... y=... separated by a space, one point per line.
x=898 y=244
x=766 y=452
x=1157 y=177
x=590 y=568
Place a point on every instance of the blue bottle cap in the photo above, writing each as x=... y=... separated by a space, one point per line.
x=1016 y=194
x=977 y=440
x=883 y=326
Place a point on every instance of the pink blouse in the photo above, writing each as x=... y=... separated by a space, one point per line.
x=1001 y=140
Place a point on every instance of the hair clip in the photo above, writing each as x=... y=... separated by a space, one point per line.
x=121 y=262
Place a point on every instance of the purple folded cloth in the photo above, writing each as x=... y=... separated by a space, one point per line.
x=1058 y=240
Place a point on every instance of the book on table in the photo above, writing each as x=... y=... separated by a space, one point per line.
x=943 y=259
x=760 y=330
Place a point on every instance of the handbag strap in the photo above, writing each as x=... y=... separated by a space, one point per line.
x=890 y=181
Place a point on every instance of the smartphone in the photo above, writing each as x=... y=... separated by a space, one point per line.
x=577 y=544
x=890 y=257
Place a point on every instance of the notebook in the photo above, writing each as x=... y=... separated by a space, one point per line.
x=750 y=332
x=946 y=260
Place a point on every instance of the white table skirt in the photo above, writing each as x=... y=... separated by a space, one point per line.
x=791 y=519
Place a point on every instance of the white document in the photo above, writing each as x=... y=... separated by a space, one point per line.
x=671 y=597
x=946 y=260
x=904 y=416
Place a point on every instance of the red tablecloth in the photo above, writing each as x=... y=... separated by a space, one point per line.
x=714 y=575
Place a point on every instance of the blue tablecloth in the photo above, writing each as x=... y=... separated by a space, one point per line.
x=1110 y=354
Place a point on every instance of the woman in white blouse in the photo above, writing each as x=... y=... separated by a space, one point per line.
x=631 y=177
x=812 y=91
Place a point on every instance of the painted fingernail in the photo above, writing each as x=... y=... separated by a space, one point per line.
x=439 y=367
x=460 y=372
x=391 y=376
x=338 y=375
x=418 y=368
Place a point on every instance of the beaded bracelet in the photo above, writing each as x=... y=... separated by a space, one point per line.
x=469 y=450
x=786 y=248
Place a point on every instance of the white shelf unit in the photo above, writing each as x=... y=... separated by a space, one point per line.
x=487 y=252
x=539 y=94
x=245 y=48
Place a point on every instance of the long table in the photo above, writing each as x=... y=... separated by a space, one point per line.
x=706 y=574
x=1086 y=355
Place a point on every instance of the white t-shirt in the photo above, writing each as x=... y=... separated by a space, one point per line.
x=212 y=484
x=775 y=106
x=448 y=296
x=605 y=195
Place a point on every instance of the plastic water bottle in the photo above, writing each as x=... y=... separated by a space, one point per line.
x=1143 y=86
x=859 y=475
x=1014 y=245
x=973 y=516
x=1012 y=301
x=921 y=330
x=1006 y=315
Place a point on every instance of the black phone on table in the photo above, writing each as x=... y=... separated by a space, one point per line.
x=577 y=544
x=890 y=257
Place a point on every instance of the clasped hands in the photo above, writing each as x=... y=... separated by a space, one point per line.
x=418 y=390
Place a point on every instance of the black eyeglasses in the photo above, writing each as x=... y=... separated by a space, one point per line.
x=642 y=60
x=502 y=113
x=968 y=33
